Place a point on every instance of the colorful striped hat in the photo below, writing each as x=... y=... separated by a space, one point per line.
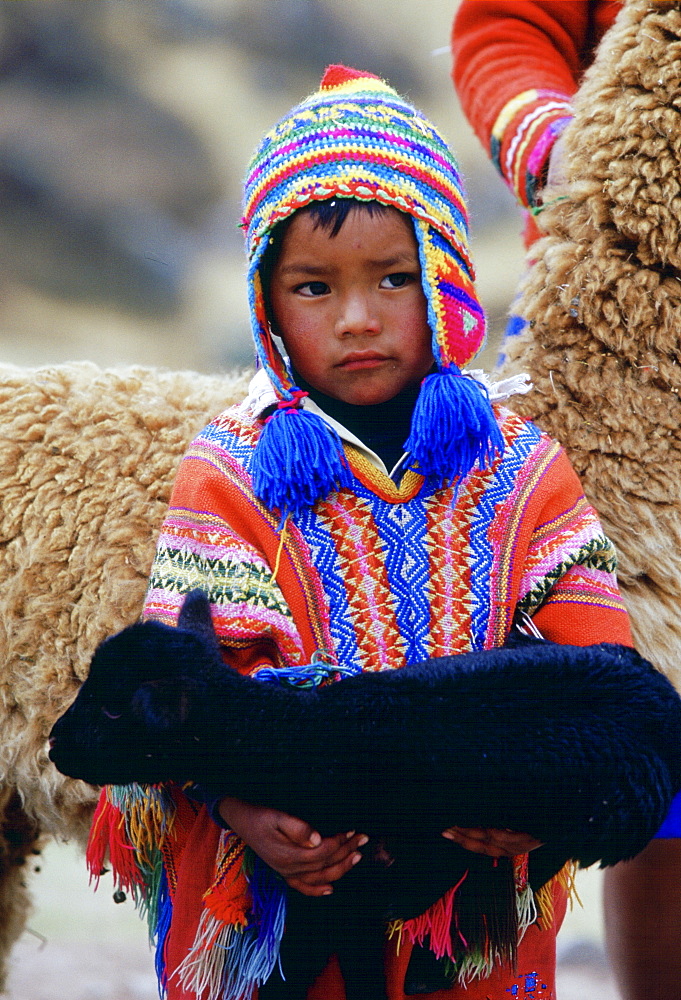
x=357 y=138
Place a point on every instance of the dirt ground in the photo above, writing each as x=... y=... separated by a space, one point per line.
x=82 y=946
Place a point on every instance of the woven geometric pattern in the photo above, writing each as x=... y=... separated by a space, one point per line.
x=383 y=575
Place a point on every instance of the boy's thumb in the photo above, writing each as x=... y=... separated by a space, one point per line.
x=300 y=832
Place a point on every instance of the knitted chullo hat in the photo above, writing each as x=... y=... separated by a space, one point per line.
x=357 y=138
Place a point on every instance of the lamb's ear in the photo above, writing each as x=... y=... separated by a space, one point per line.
x=195 y=617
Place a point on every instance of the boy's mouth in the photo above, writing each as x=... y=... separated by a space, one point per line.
x=362 y=359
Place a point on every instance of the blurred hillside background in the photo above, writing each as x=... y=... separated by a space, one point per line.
x=125 y=129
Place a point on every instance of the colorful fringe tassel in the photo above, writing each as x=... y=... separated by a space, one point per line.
x=230 y=960
x=236 y=946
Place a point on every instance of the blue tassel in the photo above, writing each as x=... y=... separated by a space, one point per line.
x=254 y=952
x=268 y=892
x=298 y=459
x=165 y=913
x=453 y=426
x=306 y=677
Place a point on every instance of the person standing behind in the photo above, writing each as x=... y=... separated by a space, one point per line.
x=516 y=66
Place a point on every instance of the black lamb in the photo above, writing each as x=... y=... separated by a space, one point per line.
x=578 y=746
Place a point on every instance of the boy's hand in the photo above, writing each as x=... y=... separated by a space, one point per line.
x=307 y=861
x=495 y=843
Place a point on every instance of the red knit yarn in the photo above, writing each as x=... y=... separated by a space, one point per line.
x=108 y=836
x=338 y=74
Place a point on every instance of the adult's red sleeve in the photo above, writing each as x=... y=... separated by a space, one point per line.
x=516 y=65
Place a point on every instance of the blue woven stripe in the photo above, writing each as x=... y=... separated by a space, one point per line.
x=325 y=559
x=501 y=486
x=402 y=531
x=238 y=448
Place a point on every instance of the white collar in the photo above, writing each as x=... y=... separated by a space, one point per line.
x=261 y=394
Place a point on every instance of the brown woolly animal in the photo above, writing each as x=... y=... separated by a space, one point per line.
x=603 y=300
x=87 y=460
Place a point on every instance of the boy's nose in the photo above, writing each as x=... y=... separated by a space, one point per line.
x=357 y=316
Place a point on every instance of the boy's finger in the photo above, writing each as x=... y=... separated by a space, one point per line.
x=298 y=831
x=333 y=849
x=328 y=862
x=518 y=843
x=473 y=840
x=319 y=883
x=334 y=872
x=336 y=850
x=495 y=843
x=469 y=832
x=309 y=890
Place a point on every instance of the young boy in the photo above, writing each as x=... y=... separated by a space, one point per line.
x=326 y=543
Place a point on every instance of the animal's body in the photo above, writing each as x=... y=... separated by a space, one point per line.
x=574 y=745
x=602 y=299
x=87 y=461
x=479 y=739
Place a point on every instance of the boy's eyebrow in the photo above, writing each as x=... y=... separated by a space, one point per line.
x=303 y=267
x=296 y=268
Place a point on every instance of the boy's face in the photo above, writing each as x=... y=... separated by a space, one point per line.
x=350 y=308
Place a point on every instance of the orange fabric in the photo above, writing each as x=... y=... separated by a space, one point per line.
x=566 y=623
x=200 y=486
x=194 y=869
x=536 y=951
x=502 y=48
x=538 y=515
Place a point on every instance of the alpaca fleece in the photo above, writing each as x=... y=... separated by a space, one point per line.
x=603 y=299
x=87 y=460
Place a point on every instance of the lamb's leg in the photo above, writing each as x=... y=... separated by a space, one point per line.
x=19 y=839
x=360 y=954
x=316 y=928
x=305 y=949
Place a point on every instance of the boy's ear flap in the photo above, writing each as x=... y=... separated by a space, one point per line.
x=195 y=617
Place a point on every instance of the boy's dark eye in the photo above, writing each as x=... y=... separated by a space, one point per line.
x=397 y=280
x=311 y=289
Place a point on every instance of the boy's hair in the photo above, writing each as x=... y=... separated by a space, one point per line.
x=329 y=216
x=356 y=139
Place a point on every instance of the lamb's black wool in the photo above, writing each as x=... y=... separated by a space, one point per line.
x=575 y=745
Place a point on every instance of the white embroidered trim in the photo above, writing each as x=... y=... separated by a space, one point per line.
x=261 y=393
x=516 y=385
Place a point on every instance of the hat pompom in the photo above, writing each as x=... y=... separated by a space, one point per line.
x=453 y=426
x=298 y=460
x=337 y=74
